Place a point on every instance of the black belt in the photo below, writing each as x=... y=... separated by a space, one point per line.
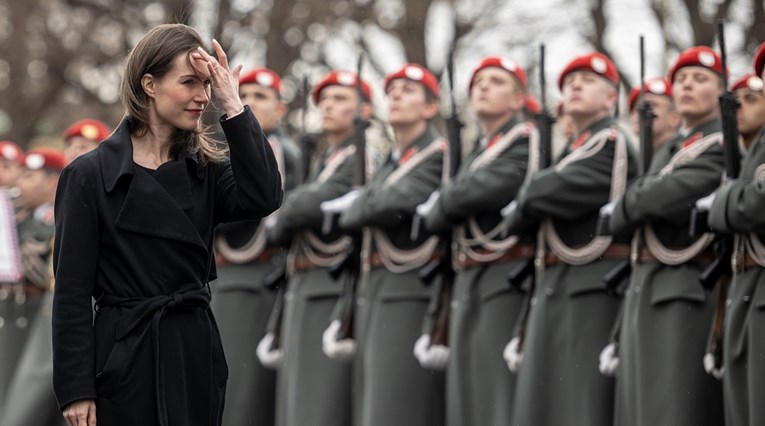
x=141 y=308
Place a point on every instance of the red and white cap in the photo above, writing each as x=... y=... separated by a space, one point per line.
x=341 y=78
x=749 y=81
x=503 y=63
x=88 y=128
x=262 y=77
x=12 y=152
x=657 y=86
x=697 y=56
x=759 y=60
x=594 y=62
x=44 y=158
x=418 y=74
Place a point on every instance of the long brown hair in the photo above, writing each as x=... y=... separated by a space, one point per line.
x=154 y=54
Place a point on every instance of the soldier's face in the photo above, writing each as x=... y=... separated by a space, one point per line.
x=750 y=116
x=9 y=173
x=265 y=105
x=666 y=118
x=37 y=187
x=77 y=146
x=408 y=103
x=495 y=93
x=337 y=105
x=696 y=91
x=587 y=94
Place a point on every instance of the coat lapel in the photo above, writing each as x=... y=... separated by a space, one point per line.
x=148 y=207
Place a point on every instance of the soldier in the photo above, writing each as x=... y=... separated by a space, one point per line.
x=311 y=388
x=30 y=400
x=737 y=208
x=571 y=313
x=751 y=113
x=667 y=312
x=241 y=303
x=83 y=136
x=479 y=388
x=396 y=389
x=37 y=184
x=658 y=94
x=11 y=161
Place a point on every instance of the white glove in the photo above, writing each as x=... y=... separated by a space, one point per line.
x=705 y=203
x=609 y=360
x=337 y=206
x=607 y=210
x=339 y=350
x=509 y=209
x=432 y=357
x=425 y=208
x=267 y=355
x=709 y=367
x=512 y=356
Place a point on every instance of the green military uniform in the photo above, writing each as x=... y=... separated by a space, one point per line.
x=738 y=208
x=396 y=389
x=571 y=315
x=667 y=314
x=479 y=387
x=19 y=302
x=311 y=388
x=242 y=305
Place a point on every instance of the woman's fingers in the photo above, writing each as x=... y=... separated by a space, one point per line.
x=222 y=58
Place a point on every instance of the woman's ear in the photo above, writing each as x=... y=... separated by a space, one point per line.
x=149 y=85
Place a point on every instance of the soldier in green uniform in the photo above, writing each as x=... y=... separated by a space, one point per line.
x=737 y=208
x=11 y=158
x=30 y=400
x=37 y=184
x=571 y=313
x=241 y=303
x=313 y=389
x=479 y=388
x=667 y=312
x=396 y=389
x=658 y=94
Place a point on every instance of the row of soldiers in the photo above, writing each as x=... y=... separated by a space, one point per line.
x=28 y=182
x=351 y=334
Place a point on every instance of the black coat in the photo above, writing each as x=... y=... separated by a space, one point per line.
x=140 y=244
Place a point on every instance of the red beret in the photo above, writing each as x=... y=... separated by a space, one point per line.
x=749 y=81
x=657 y=86
x=759 y=60
x=418 y=74
x=262 y=77
x=506 y=64
x=532 y=105
x=88 y=128
x=341 y=78
x=594 y=62
x=697 y=56
x=45 y=158
x=10 y=151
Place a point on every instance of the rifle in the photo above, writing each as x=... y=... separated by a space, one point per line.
x=517 y=276
x=276 y=280
x=439 y=332
x=646 y=116
x=721 y=270
x=350 y=267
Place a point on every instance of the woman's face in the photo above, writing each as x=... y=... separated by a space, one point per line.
x=180 y=96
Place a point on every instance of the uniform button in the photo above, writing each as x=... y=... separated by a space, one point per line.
x=361 y=301
x=455 y=304
x=746 y=299
x=4 y=293
x=2 y=322
x=728 y=302
x=288 y=296
x=533 y=301
x=20 y=298
x=21 y=322
x=549 y=292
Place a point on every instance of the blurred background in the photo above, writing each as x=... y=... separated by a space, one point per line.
x=61 y=60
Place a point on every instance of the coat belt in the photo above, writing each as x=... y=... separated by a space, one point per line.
x=154 y=308
x=615 y=251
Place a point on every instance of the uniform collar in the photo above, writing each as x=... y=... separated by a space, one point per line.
x=420 y=143
x=509 y=124
x=116 y=156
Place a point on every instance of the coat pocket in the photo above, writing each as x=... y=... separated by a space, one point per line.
x=677 y=283
x=109 y=377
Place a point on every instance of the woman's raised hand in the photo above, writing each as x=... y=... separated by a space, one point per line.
x=225 y=82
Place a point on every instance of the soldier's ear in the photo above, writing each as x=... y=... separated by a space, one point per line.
x=281 y=110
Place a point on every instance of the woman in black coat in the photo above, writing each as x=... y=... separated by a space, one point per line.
x=134 y=229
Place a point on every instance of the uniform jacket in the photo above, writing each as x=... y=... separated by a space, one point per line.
x=141 y=245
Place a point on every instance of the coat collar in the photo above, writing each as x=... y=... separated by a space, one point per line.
x=116 y=157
